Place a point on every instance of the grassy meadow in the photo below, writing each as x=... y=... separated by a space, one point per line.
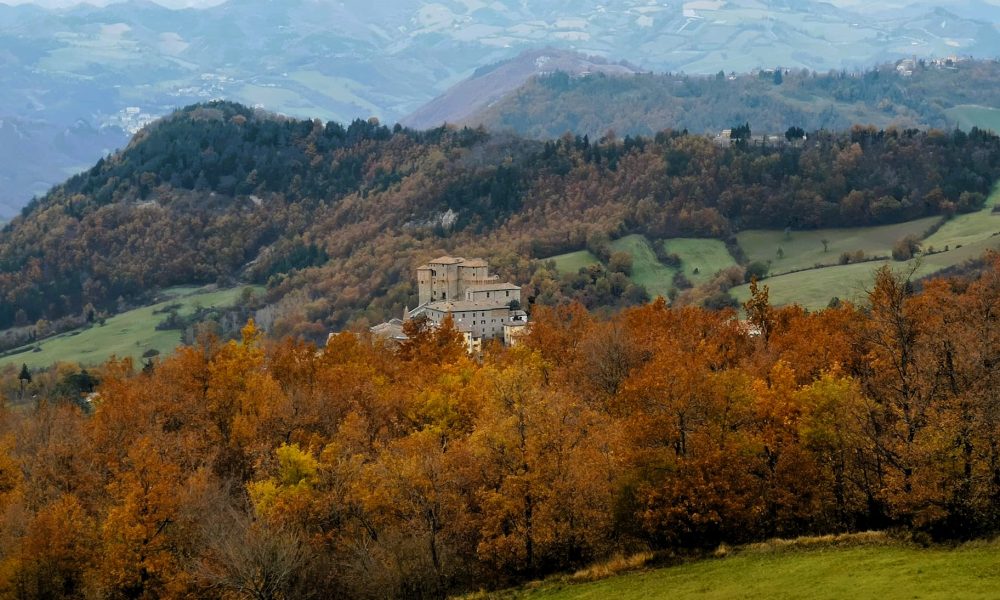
x=572 y=262
x=804 y=249
x=966 y=236
x=968 y=228
x=814 y=288
x=880 y=570
x=707 y=257
x=700 y=260
x=646 y=269
x=127 y=334
x=968 y=116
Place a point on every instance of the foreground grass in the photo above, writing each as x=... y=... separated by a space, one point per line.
x=886 y=571
x=128 y=334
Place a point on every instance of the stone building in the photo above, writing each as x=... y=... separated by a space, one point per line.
x=482 y=306
x=448 y=277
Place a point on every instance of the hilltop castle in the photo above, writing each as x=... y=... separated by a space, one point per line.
x=482 y=307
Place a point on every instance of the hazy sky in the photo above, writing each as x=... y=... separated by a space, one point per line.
x=63 y=3
x=190 y=3
x=185 y=3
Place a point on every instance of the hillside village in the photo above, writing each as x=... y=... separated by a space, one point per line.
x=482 y=307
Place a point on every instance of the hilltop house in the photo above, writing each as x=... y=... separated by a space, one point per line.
x=481 y=306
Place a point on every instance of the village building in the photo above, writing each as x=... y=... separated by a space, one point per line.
x=481 y=306
x=390 y=330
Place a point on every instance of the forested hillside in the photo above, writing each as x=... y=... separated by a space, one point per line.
x=334 y=219
x=268 y=469
x=552 y=105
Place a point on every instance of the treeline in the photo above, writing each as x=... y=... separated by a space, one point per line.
x=771 y=101
x=268 y=469
x=333 y=220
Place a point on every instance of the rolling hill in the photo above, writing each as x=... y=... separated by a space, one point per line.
x=960 y=93
x=493 y=83
x=114 y=67
x=333 y=219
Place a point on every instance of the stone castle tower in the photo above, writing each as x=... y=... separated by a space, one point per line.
x=448 y=278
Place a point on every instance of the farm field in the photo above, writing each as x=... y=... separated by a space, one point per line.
x=968 y=228
x=814 y=288
x=886 y=572
x=646 y=269
x=794 y=277
x=804 y=249
x=128 y=334
x=707 y=256
x=970 y=115
x=574 y=261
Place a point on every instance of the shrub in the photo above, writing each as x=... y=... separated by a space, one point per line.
x=720 y=300
x=756 y=270
x=905 y=248
x=620 y=262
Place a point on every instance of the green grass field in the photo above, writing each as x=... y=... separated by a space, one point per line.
x=968 y=228
x=966 y=236
x=707 y=256
x=883 y=572
x=128 y=334
x=804 y=249
x=814 y=288
x=574 y=261
x=970 y=115
x=704 y=255
x=646 y=270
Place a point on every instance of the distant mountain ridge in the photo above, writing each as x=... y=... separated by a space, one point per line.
x=908 y=94
x=491 y=84
x=338 y=60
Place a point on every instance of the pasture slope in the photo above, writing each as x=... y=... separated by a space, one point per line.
x=804 y=270
x=572 y=262
x=805 y=250
x=882 y=571
x=966 y=237
x=129 y=334
x=646 y=269
x=967 y=116
x=700 y=260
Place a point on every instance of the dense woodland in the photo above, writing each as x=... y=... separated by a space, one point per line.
x=335 y=219
x=771 y=101
x=267 y=469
